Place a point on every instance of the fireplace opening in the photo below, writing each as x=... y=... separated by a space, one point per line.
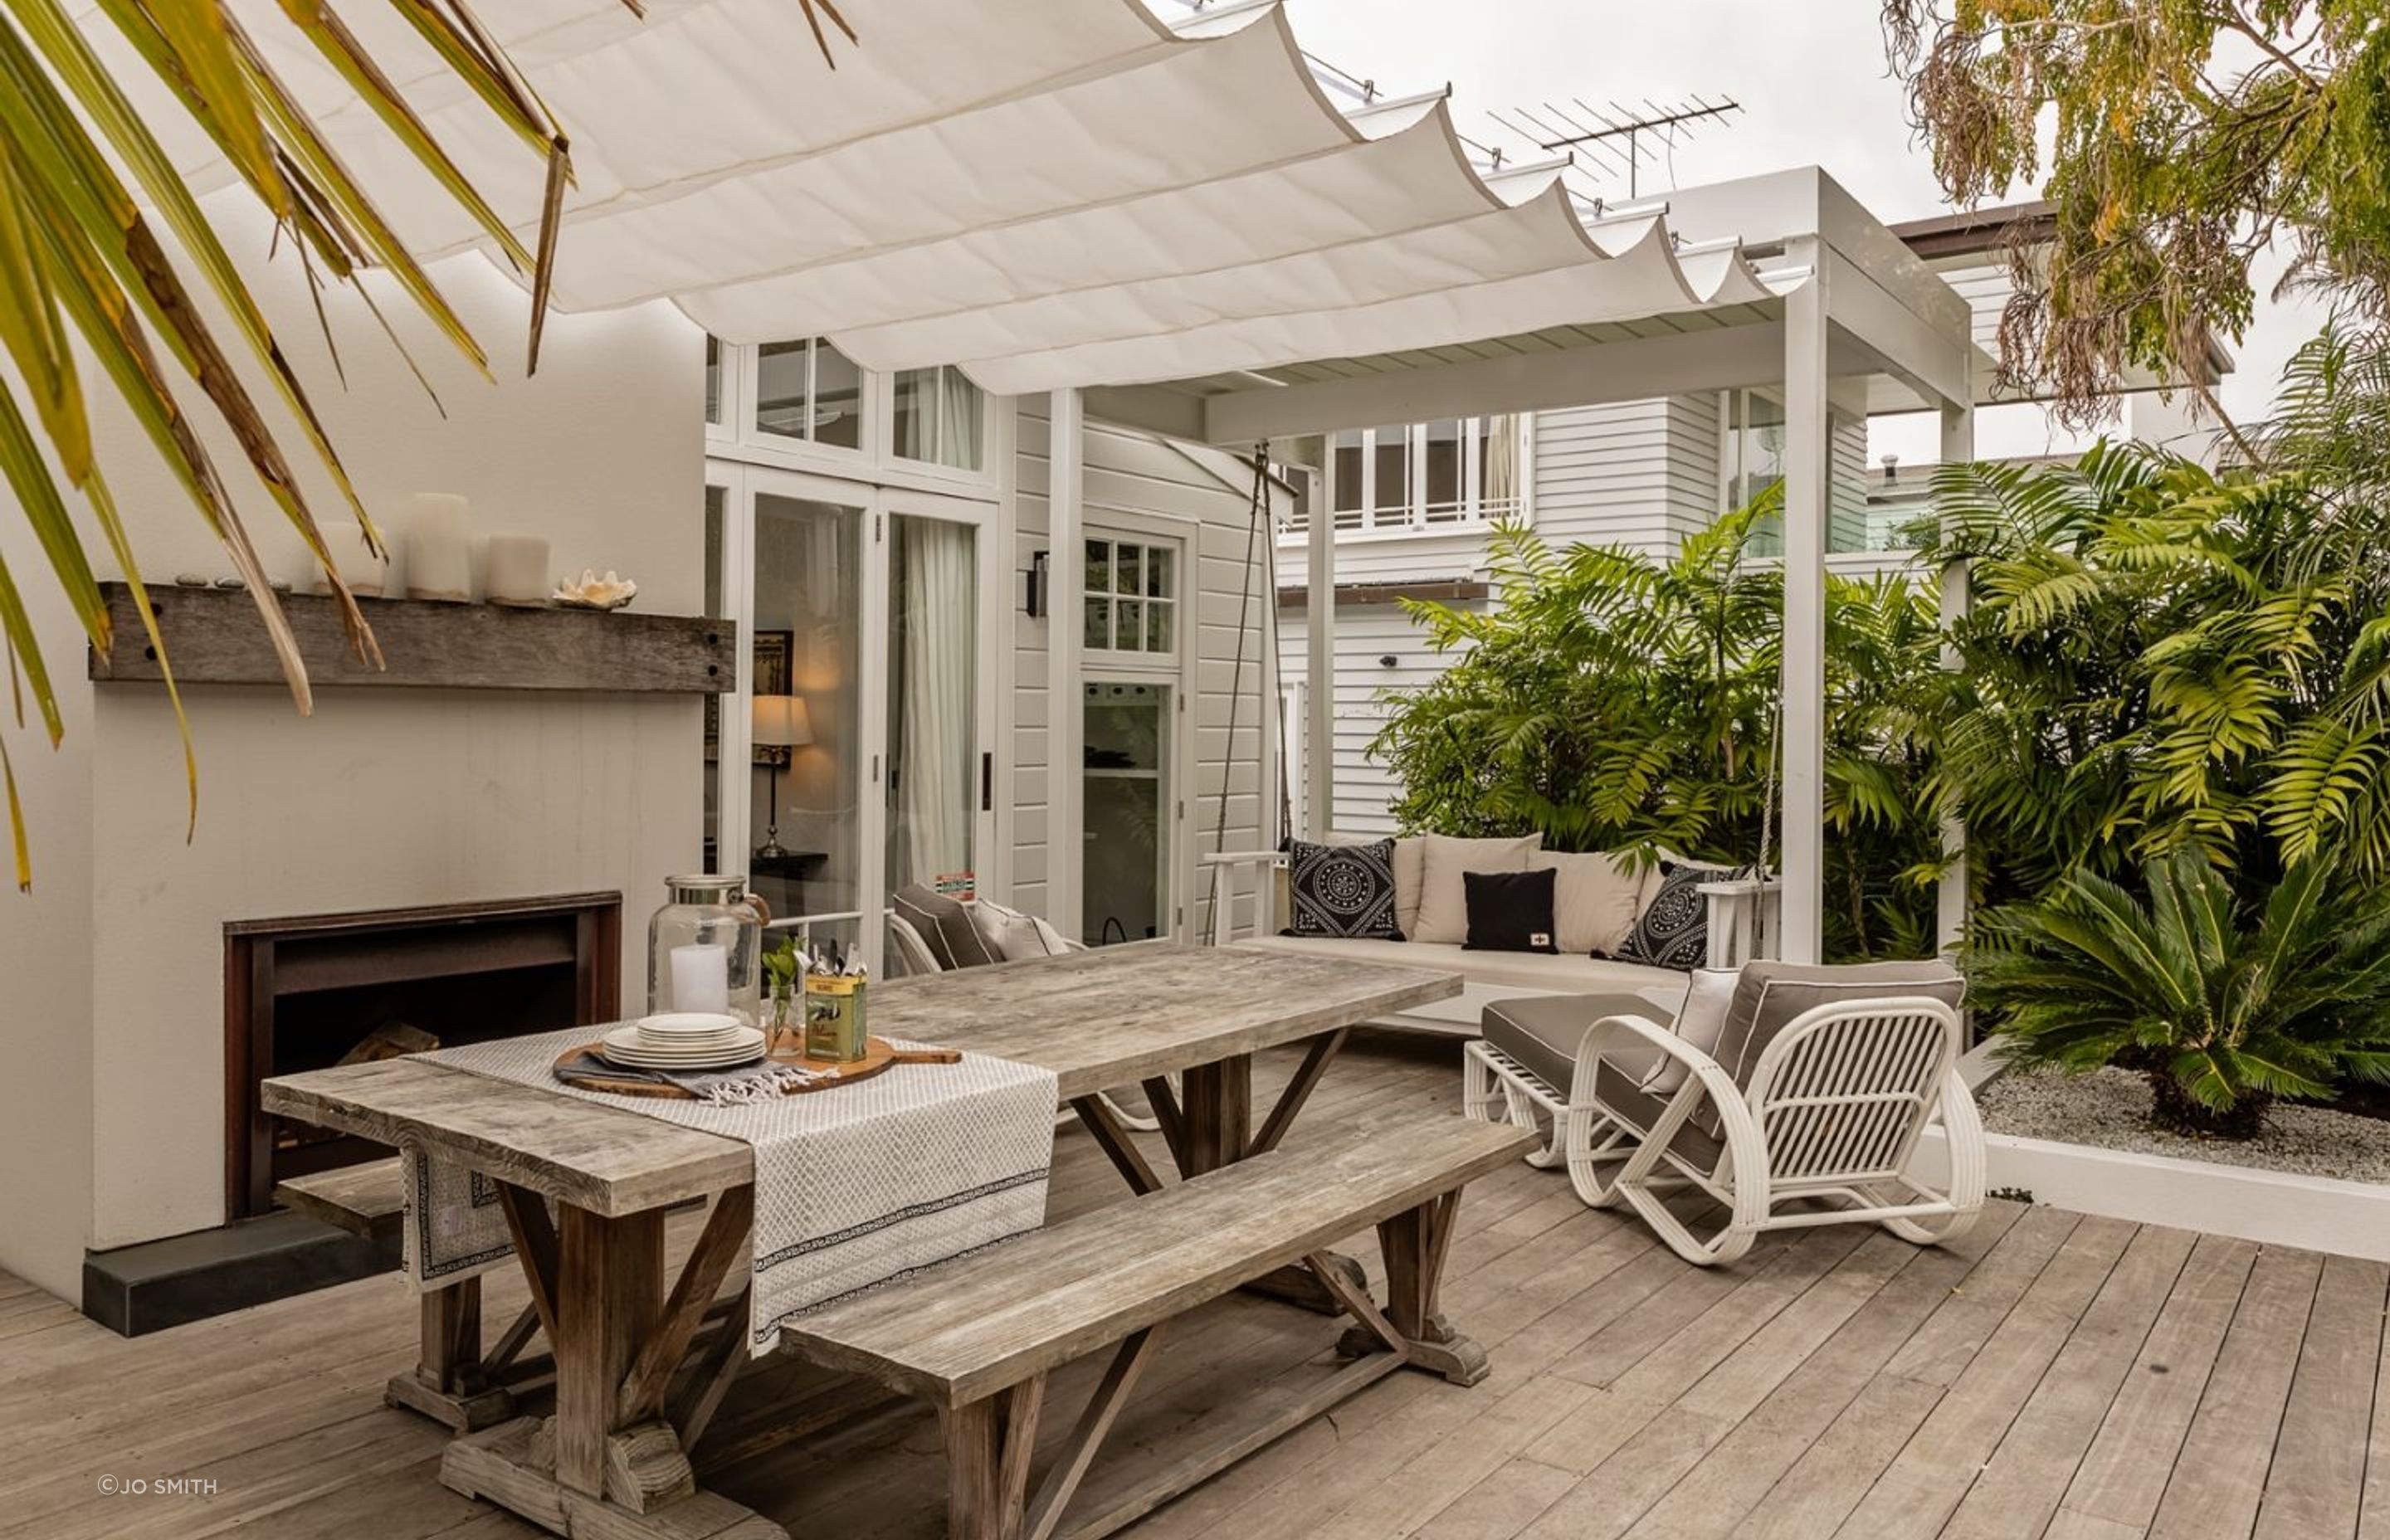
x=311 y=992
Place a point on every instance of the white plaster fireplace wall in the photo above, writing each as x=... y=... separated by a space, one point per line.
x=382 y=798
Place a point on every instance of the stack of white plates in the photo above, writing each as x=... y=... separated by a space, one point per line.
x=684 y=1040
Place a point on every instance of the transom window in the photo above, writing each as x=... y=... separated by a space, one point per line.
x=1132 y=596
x=808 y=389
x=1424 y=476
x=804 y=395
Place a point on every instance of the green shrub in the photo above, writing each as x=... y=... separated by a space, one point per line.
x=1615 y=701
x=2223 y=1004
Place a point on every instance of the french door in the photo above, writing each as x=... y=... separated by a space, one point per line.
x=857 y=754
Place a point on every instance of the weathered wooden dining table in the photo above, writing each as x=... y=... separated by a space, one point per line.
x=641 y=1364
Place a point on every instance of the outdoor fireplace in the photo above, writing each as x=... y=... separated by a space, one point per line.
x=314 y=991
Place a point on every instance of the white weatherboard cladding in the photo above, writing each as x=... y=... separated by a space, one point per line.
x=1132 y=475
x=1053 y=196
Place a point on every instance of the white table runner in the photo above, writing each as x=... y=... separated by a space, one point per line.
x=854 y=1187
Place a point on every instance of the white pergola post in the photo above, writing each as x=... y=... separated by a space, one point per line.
x=1065 y=630
x=1320 y=659
x=1950 y=899
x=1804 y=690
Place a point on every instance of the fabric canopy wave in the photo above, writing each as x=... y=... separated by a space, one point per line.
x=1053 y=195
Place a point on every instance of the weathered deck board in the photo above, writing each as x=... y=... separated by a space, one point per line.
x=2097 y=1381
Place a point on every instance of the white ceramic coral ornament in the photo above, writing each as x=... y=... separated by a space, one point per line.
x=593 y=592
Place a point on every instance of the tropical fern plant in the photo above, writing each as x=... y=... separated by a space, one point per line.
x=1614 y=700
x=2224 y=1004
x=2162 y=658
x=104 y=246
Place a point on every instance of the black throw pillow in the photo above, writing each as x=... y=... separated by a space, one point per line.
x=1509 y=911
x=1342 y=891
x=1674 y=929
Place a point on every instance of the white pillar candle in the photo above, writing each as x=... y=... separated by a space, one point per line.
x=438 y=548
x=700 y=975
x=514 y=570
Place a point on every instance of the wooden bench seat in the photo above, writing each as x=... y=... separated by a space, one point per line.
x=976 y=1337
x=368 y=1199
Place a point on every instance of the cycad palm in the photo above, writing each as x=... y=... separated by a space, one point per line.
x=2225 y=1005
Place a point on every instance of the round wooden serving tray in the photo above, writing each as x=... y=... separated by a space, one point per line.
x=879 y=1056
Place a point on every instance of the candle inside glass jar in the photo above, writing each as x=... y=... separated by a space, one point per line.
x=700 y=975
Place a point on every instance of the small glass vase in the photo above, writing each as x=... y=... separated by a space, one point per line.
x=786 y=1037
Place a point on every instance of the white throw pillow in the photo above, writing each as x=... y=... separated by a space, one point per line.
x=1011 y=934
x=1410 y=874
x=1594 y=900
x=1443 y=899
x=1700 y=1021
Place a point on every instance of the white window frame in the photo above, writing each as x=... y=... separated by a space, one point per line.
x=1175 y=668
x=741 y=481
x=1411 y=518
x=736 y=437
x=1134 y=659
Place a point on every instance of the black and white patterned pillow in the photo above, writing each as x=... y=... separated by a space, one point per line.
x=1346 y=891
x=1674 y=929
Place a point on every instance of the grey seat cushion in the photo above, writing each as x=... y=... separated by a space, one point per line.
x=1542 y=1032
x=1770 y=996
x=944 y=925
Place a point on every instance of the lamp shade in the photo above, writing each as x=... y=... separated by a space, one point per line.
x=781 y=721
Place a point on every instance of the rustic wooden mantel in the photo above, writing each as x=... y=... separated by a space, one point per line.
x=214 y=636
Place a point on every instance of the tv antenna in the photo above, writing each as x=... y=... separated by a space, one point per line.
x=1614 y=136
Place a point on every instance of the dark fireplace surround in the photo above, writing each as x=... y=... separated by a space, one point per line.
x=308 y=991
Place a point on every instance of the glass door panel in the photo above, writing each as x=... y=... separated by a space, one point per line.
x=811 y=746
x=936 y=769
x=1125 y=790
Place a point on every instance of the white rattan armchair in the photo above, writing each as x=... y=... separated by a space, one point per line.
x=1821 y=1133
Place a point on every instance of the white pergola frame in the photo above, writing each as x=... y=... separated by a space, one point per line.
x=1865 y=316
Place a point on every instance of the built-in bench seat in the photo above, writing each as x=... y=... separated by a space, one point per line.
x=977 y=1337
x=1740 y=915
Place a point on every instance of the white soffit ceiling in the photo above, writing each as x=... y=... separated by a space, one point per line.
x=1051 y=195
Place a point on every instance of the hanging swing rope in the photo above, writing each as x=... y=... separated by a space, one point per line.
x=1254 y=515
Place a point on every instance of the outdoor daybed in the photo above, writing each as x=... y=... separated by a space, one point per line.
x=1724 y=920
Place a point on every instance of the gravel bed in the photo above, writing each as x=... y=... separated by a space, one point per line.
x=2110 y=1109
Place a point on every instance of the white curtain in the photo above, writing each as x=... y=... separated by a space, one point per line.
x=1499 y=497
x=937 y=626
x=947 y=420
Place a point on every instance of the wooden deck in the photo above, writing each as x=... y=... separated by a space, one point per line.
x=2052 y=1376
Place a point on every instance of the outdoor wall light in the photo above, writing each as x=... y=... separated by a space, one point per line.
x=1039 y=579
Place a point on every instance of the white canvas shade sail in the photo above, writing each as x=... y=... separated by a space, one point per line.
x=1054 y=195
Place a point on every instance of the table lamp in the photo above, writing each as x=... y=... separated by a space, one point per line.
x=780 y=722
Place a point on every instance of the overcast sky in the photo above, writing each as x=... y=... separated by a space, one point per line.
x=1810 y=74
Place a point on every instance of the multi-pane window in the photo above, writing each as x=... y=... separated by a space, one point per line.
x=808 y=389
x=1420 y=476
x=1132 y=598
x=939 y=417
x=803 y=394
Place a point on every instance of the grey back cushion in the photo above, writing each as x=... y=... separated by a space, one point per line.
x=1770 y=996
x=945 y=925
